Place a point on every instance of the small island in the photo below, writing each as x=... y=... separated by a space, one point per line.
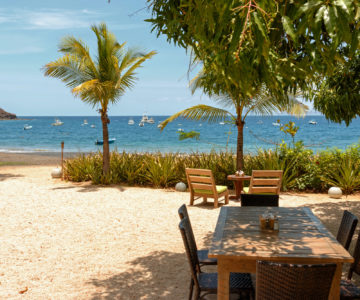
x=4 y=115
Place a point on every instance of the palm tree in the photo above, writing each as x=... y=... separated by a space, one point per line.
x=255 y=99
x=100 y=81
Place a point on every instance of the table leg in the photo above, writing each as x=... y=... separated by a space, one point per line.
x=335 y=286
x=238 y=188
x=223 y=281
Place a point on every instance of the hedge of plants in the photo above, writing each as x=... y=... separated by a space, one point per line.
x=303 y=170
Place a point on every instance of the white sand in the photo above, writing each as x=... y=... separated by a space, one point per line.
x=61 y=240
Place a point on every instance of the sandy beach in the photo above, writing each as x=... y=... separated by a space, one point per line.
x=34 y=158
x=61 y=240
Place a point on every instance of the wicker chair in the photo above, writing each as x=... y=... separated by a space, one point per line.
x=348 y=290
x=347 y=229
x=203 y=253
x=259 y=200
x=279 y=281
x=206 y=283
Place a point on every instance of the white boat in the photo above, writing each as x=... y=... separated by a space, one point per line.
x=92 y=126
x=312 y=122
x=57 y=123
x=27 y=127
x=277 y=124
x=222 y=123
x=131 y=122
x=144 y=119
x=85 y=123
x=141 y=124
x=151 y=121
x=180 y=130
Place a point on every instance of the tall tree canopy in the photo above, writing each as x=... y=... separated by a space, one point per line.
x=338 y=97
x=285 y=45
x=98 y=81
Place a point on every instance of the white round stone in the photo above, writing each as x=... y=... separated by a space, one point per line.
x=56 y=173
x=335 y=192
x=180 y=187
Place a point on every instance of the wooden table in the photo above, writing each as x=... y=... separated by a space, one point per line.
x=238 y=243
x=238 y=182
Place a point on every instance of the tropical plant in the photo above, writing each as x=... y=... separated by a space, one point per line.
x=346 y=175
x=262 y=103
x=98 y=81
x=290 y=128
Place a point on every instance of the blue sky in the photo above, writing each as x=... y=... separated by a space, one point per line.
x=31 y=30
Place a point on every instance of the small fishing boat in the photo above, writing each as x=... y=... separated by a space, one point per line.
x=141 y=124
x=151 y=121
x=222 y=123
x=312 y=122
x=144 y=119
x=277 y=124
x=101 y=142
x=85 y=123
x=27 y=127
x=131 y=122
x=180 y=130
x=57 y=123
x=92 y=126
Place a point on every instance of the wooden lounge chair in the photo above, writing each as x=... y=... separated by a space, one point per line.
x=280 y=281
x=265 y=182
x=201 y=183
x=206 y=283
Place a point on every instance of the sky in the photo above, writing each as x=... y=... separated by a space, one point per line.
x=30 y=32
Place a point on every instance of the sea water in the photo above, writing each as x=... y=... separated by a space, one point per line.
x=259 y=132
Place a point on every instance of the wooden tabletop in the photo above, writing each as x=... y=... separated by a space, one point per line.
x=238 y=178
x=302 y=237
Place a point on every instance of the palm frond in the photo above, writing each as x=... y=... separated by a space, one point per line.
x=200 y=112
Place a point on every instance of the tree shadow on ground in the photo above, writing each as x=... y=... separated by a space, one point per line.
x=330 y=214
x=88 y=188
x=159 y=275
x=9 y=176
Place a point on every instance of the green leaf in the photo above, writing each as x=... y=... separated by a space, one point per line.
x=287 y=23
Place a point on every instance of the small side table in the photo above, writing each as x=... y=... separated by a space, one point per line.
x=238 y=182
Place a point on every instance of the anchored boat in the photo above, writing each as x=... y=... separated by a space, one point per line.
x=57 y=123
x=101 y=142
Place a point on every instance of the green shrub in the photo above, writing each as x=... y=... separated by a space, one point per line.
x=303 y=170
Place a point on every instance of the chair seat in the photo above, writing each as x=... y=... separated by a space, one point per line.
x=348 y=290
x=204 y=259
x=219 y=188
x=238 y=282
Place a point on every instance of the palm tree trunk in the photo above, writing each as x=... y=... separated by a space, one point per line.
x=106 y=153
x=240 y=145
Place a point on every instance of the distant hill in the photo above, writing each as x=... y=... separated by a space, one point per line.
x=6 y=116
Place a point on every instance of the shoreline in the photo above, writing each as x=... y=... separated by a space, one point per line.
x=34 y=158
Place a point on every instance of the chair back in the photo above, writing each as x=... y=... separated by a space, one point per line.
x=183 y=213
x=259 y=200
x=190 y=248
x=275 y=281
x=265 y=181
x=355 y=266
x=201 y=181
x=347 y=229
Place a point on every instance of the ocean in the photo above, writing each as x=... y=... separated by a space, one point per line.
x=259 y=132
